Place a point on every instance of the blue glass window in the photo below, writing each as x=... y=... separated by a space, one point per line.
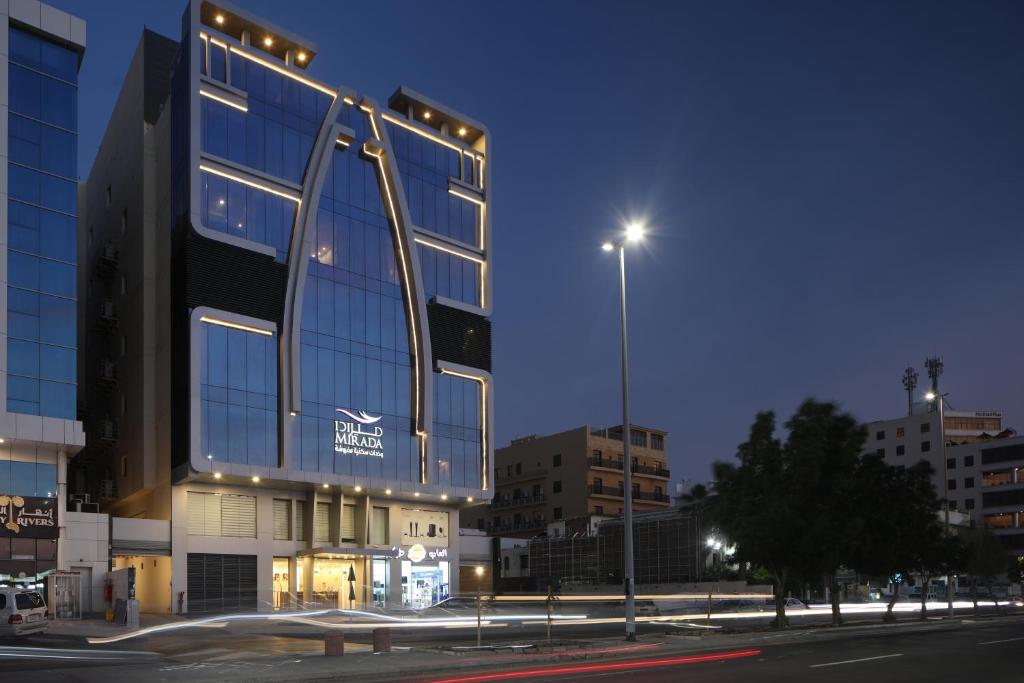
x=449 y=276
x=457 y=432
x=238 y=394
x=425 y=167
x=247 y=212
x=42 y=248
x=33 y=477
x=355 y=335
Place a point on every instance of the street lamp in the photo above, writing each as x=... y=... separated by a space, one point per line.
x=479 y=571
x=940 y=399
x=634 y=233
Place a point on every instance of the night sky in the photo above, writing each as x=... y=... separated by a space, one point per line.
x=834 y=190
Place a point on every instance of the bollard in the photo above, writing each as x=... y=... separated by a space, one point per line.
x=381 y=640
x=334 y=644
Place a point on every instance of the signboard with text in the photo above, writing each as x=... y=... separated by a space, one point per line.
x=28 y=517
x=359 y=434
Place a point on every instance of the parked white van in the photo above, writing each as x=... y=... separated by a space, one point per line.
x=22 y=612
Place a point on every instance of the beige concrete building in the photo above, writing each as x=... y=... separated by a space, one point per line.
x=543 y=479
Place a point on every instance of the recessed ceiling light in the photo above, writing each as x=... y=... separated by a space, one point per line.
x=326 y=485
x=462 y=132
x=444 y=496
x=358 y=489
x=426 y=115
x=219 y=18
x=301 y=56
x=268 y=41
x=469 y=499
x=387 y=491
x=255 y=480
x=416 y=494
x=216 y=475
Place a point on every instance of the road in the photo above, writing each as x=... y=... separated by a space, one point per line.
x=984 y=651
x=990 y=654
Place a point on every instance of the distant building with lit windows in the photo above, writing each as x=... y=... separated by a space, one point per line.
x=287 y=331
x=576 y=473
x=41 y=49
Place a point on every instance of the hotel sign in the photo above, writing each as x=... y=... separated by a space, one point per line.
x=358 y=434
x=28 y=517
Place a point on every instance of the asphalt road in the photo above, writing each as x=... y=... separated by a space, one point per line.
x=986 y=651
x=990 y=654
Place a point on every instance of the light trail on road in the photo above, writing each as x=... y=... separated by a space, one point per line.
x=577 y=669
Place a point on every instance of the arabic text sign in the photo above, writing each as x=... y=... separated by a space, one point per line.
x=358 y=435
x=28 y=517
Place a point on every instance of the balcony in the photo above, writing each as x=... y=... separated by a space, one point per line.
x=616 y=464
x=525 y=525
x=505 y=478
x=615 y=492
x=521 y=501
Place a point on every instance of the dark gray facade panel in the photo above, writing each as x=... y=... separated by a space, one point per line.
x=458 y=336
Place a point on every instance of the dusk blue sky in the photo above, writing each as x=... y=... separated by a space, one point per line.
x=835 y=189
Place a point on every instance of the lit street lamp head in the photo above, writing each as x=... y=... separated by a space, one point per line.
x=930 y=396
x=607 y=246
x=634 y=232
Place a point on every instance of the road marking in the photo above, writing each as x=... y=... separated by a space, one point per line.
x=854 y=661
x=995 y=642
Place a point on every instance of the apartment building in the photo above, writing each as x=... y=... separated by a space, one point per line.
x=575 y=473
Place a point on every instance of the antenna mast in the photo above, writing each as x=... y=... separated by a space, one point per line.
x=909 y=384
x=934 y=367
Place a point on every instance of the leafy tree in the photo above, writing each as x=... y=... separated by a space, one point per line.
x=897 y=514
x=756 y=507
x=822 y=455
x=986 y=560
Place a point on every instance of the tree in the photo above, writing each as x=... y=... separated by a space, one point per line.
x=756 y=507
x=822 y=455
x=897 y=519
x=986 y=560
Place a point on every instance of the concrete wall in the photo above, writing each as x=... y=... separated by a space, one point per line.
x=86 y=549
x=152 y=582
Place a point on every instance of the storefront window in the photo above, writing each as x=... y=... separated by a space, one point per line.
x=282 y=590
x=423 y=584
x=380 y=583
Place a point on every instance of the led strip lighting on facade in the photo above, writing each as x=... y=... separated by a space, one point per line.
x=484 y=448
x=235 y=326
x=379 y=156
x=250 y=183
x=436 y=138
x=467 y=197
x=270 y=65
x=460 y=254
x=222 y=100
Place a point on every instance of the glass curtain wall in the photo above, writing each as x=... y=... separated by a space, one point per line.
x=42 y=208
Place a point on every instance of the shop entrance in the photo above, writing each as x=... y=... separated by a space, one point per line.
x=339 y=583
x=424 y=585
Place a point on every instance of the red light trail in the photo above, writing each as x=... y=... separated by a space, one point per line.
x=598 y=668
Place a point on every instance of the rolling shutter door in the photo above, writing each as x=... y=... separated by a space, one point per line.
x=282 y=519
x=221 y=583
x=322 y=527
x=348 y=523
x=238 y=516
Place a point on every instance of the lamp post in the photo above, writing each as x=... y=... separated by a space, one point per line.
x=479 y=571
x=634 y=233
x=941 y=399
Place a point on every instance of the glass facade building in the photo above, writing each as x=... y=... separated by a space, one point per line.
x=324 y=346
x=39 y=430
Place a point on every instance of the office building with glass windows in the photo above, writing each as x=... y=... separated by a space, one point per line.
x=41 y=49
x=287 y=331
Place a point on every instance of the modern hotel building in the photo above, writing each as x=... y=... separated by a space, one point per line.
x=286 y=366
x=41 y=49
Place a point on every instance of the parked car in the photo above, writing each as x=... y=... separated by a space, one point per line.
x=22 y=612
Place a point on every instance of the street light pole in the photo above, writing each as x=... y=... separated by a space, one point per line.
x=634 y=232
x=940 y=399
x=627 y=462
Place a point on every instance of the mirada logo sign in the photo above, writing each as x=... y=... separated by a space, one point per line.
x=358 y=434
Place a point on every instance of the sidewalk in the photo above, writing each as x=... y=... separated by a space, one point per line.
x=99 y=628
